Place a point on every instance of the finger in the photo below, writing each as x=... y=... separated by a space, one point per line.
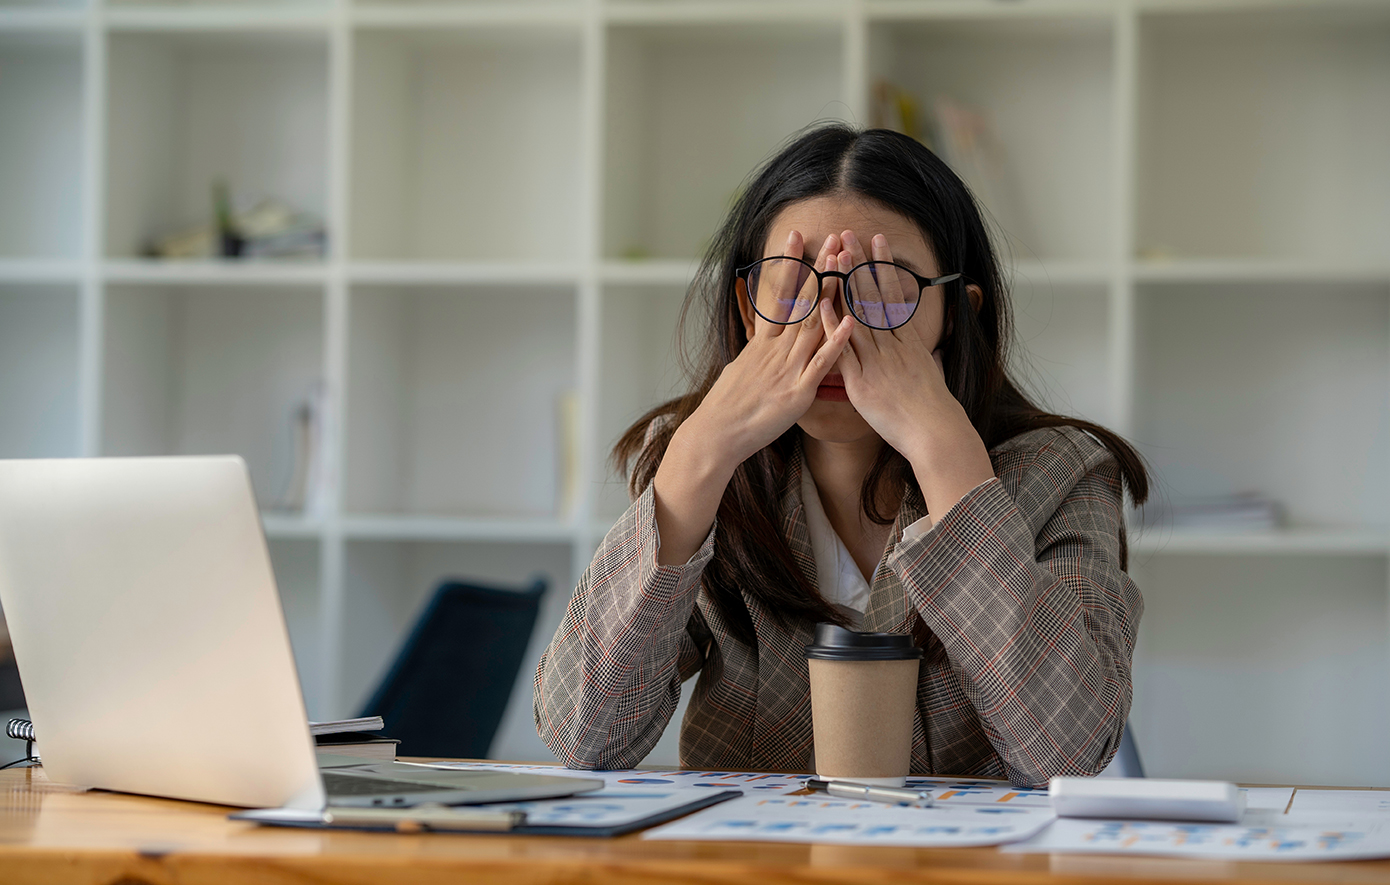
x=895 y=295
x=808 y=338
x=825 y=260
x=826 y=356
x=864 y=286
x=850 y=367
x=862 y=335
x=773 y=292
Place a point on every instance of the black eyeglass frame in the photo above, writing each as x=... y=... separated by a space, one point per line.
x=923 y=283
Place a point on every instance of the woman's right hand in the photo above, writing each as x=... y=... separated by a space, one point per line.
x=758 y=395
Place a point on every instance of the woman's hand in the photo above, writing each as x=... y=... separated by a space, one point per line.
x=895 y=381
x=761 y=393
x=773 y=381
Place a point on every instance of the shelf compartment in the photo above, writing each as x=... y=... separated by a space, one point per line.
x=1062 y=355
x=638 y=369
x=1044 y=89
x=455 y=13
x=39 y=399
x=39 y=270
x=1264 y=134
x=214 y=272
x=203 y=370
x=1159 y=540
x=1271 y=270
x=214 y=15
x=691 y=111
x=463 y=273
x=1228 y=646
x=188 y=109
x=296 y=563
x=387 y=584
x=455 y=400
x=40 y=145
x=425 y=99
x=1280 y=389
x=722 y=12
x=394 y=527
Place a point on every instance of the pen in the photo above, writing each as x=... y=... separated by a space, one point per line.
x=891 y=795
x=429 y=816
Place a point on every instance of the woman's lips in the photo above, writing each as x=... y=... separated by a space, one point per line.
x=832 y=388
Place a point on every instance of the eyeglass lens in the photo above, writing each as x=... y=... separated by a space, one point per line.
x=881 y=295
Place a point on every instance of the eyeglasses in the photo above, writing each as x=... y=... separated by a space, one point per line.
x=879 y=294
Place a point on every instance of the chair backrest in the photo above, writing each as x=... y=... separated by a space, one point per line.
x=1126 y=762
x=448 y=688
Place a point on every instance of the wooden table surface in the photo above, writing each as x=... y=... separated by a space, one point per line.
x=56 y=834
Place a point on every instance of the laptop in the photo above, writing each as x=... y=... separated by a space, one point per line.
x=154 y=654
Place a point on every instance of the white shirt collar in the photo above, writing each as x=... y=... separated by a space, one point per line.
x=837 y=574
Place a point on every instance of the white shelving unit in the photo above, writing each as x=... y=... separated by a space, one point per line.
x=1197 y=220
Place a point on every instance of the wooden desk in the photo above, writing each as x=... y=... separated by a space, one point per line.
x=54 y=834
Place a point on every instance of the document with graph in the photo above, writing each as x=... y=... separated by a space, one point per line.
x=1265 y=835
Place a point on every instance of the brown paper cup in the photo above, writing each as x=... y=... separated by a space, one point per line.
x=861 y=713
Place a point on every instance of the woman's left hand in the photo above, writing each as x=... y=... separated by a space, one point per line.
x=896 y=382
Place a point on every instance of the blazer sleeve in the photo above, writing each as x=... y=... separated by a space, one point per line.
x=611 y=678
x=1028 y=595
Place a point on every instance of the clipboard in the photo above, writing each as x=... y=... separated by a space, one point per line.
x=471 y=819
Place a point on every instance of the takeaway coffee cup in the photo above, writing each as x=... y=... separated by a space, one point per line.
x=863 y=696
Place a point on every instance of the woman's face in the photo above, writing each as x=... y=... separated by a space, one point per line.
x=854 y=222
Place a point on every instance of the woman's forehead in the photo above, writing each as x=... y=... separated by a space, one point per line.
x=818 y=217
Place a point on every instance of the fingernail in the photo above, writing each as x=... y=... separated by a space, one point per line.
x=791 y=238
x=880 y=240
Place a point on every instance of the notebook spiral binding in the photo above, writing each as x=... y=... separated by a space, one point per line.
x=20 y=730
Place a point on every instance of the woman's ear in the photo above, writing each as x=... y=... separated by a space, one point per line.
x=976 y=296
x=745 y=307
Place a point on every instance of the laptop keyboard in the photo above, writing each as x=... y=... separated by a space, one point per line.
x=349 y=785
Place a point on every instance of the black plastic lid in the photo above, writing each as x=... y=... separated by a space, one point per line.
x=835 y=643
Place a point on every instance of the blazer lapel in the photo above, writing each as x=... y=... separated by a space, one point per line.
x=782 y=725
x=888 y=611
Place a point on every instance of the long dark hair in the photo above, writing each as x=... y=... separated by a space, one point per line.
x=751 y=555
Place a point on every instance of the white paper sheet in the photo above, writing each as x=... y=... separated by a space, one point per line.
x=846 y=822
x=1267 y=798
x=1262 y=835
x=1356 y=802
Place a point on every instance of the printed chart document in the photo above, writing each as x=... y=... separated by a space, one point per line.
x=967 y=812
x=1274 y=837
x=848 y=822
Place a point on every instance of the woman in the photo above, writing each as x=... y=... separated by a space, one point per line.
x=854 y=451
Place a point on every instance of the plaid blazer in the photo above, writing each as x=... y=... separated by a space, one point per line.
x=1017 y=595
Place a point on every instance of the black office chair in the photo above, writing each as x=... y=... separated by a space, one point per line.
x=447 y=691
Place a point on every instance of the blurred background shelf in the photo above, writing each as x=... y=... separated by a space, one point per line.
x=1295 y=541
x=1191 y=198
x=214 y=272
x=441 y=528
x=462 y=273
